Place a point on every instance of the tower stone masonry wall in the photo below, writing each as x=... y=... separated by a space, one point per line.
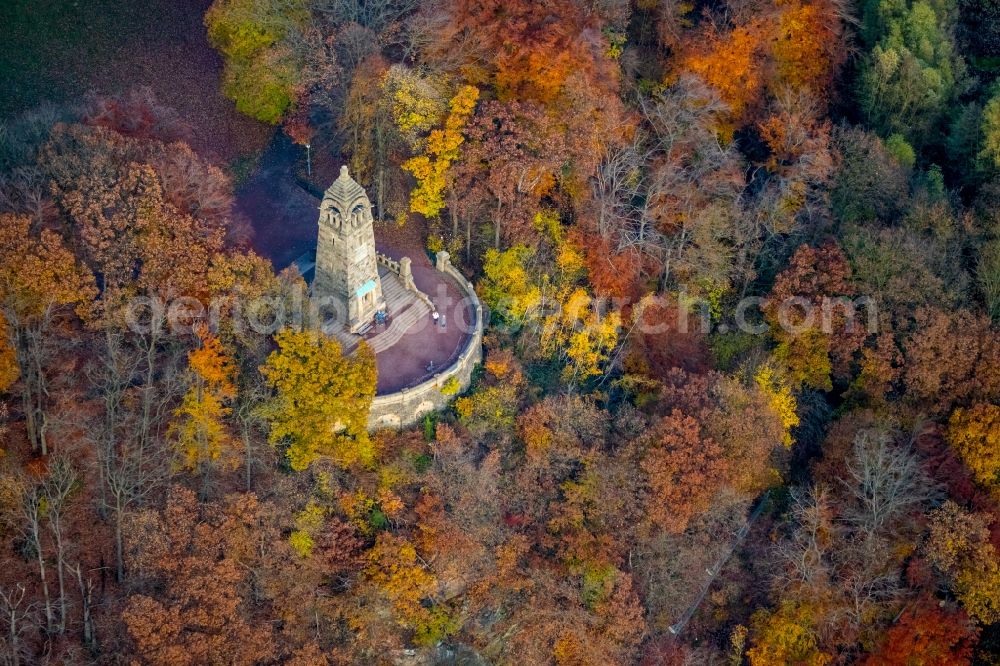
x=346 y=270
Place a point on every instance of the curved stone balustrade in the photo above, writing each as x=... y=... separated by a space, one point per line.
x=407 y=406
x=402 y=269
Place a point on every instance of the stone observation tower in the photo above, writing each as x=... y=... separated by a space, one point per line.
x=346 y=268
x=417 y=352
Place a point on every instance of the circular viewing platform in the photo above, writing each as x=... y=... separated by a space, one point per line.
x=412 y=345
x=416 y=353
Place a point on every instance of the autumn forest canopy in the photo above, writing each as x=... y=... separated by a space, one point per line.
x=740 y=393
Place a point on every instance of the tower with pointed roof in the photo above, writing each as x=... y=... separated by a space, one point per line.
x=346 y=269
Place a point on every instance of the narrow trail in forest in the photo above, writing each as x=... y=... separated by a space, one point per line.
x=713 y=572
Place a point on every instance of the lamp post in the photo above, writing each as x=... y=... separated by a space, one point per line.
x=309 y=169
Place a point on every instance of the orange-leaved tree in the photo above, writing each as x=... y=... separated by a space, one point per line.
x=200 y=436
x=199 y=557
x=816 y=327
x=684 y=468
x=927 y=634
x=39 y=276
x=732 y=63
x=789 y=47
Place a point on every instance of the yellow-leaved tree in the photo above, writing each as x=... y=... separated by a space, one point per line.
x=262 y=71
x=975 y=435
x=579 y=335
x=401 y=575
x=440 y=150
x=322 y=399
x=506 y=287
x=786 y=635
x=959 y=545
x=782 y=400
x=417 y=101
x=199 y=433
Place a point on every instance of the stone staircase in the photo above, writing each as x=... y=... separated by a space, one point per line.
x=348 y=341
x=400 y=324
x=405 y=309
x=395 y=294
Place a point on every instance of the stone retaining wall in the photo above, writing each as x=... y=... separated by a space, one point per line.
x=402 y=408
